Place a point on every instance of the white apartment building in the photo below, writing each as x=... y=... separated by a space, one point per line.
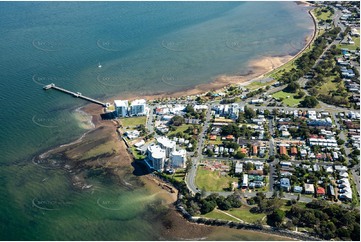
x=138 y=107
x=121 y=107
x=157 y=156
x=178 y=159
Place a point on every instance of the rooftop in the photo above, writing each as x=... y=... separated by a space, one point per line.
x=121 y=103
x=138 y=102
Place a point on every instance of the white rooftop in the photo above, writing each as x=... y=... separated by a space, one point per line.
x=157 y=151
x=179 y=152
x=139 y=102
x=164 y=141
x=121 y=103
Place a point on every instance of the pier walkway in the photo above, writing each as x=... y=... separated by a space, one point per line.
x=74 y=94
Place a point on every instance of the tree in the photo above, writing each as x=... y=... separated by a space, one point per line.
x=207 y=206
x=276 y=217
x=309 y=102
x=224 y=204
x=292 y=87
x=340 y=141
x=189 y=109
x=301 y=94
x=249 y=112
x=234 y=200
x=240 y=155
x=248 y=166
x=177 y=120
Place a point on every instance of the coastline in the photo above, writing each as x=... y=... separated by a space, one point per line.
x=260 y=68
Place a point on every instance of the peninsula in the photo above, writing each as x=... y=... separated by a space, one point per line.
x=276 y=153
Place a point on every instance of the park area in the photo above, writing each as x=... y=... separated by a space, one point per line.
x=214 y=177
x=133 y=122
x=287 y=98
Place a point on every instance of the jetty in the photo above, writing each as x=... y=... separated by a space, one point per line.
x=74 y=94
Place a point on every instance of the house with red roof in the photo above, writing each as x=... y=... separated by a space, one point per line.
x=320 y=191
x=294 y=151
x=283 y=150
x=230 y=137
x=255 y=149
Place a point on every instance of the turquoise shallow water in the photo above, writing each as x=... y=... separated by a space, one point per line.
x=143 y=48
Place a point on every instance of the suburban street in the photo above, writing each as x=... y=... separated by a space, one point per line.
x=191 y=175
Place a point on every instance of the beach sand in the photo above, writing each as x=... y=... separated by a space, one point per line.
x=260 y=67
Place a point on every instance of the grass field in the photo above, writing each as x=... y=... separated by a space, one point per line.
x=290 y=101
x=181 y=129
x=351 y=47
x=218 y=141
x=133 y=121
x=212 y=180
x=355 y=197
x=328 y=86
x=219 y=215
x=322 y=15
x=256 y=85
x=244 y=214
x=178 y=175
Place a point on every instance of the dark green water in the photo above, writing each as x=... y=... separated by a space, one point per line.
x=143 y=48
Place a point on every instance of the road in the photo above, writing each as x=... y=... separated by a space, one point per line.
x=149 y=122
x=191 y=174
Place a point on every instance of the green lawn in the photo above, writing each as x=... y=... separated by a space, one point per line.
x=219 y=215
x=218 y=141
x=322 y=15
x=136 y=154
x=256 y=84
x=212 y=180
x=133 y=121
x=277 y=73
x=179 y=175
x=328 y=86
x=181 y=129
x=355 y=197
x=351 y=47
x=244 y=214
x=290 y=101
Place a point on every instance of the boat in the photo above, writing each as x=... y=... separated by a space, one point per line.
x=99 y=65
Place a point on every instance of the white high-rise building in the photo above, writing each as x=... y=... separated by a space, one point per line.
x=138 y=107
x=167 y=144
x=157 y=155
x=178 y=159
x=121 y=107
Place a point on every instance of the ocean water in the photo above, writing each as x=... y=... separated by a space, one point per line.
x=143 y=47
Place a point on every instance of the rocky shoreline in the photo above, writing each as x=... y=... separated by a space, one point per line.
x=246 y=226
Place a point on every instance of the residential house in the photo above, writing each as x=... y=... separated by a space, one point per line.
x=309 y=188
x=238 y=168
x=285 y=184
x=294 y=151
x=297 y=189
x=320 y=191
